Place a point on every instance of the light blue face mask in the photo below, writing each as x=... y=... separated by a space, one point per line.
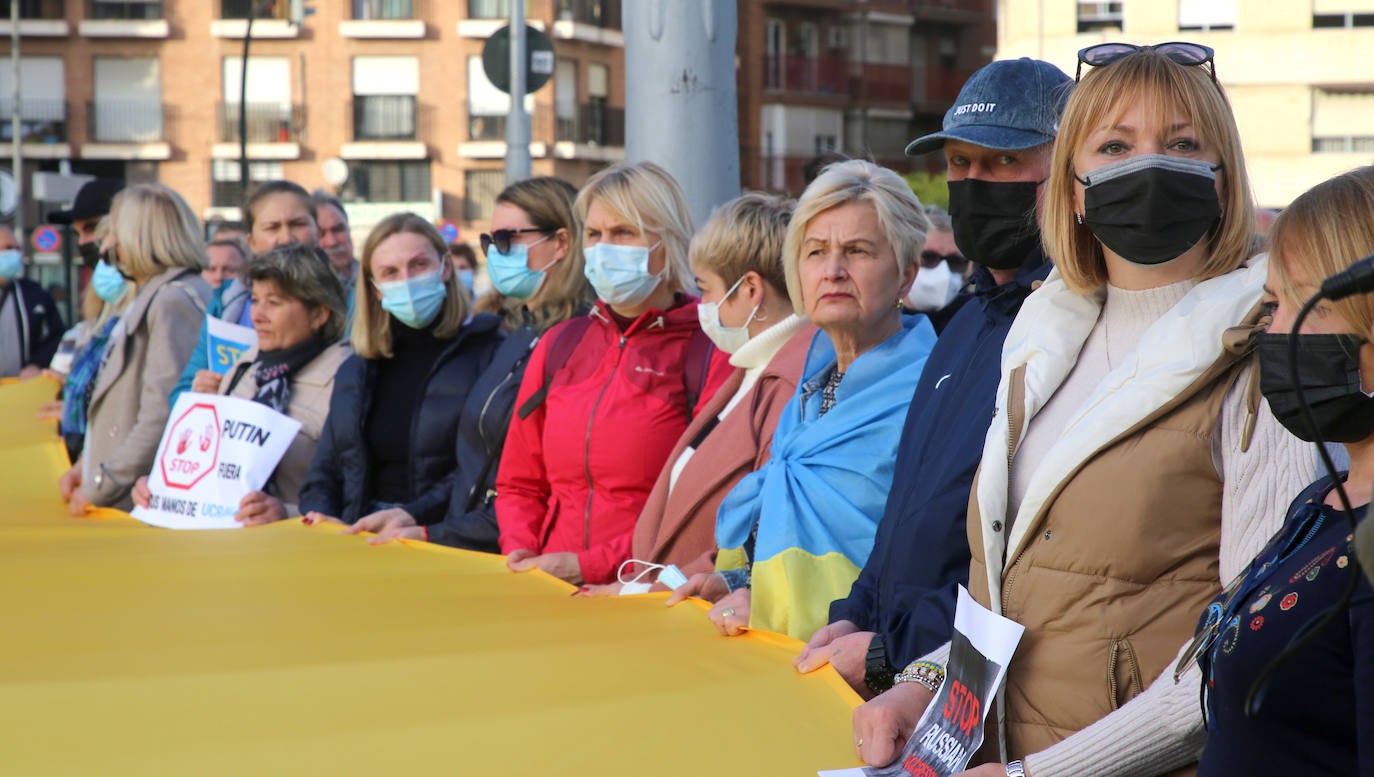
x=11 y=264
x=511 y=274
x=414 y=301
x=620 y=274
x=465 y=278
x=109 y=285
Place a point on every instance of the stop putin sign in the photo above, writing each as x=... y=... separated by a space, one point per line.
x=193 y=447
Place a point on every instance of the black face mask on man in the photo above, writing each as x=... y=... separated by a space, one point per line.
x=1150 y=209
x=994 y=221
x=1328 y=378
x=90 y=252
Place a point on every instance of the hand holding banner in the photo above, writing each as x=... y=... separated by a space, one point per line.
x=226 y=343
x=214 y=451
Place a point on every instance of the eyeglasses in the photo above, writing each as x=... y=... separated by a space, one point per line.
x=932 y=258
x=1189 y=54
x=501 y=238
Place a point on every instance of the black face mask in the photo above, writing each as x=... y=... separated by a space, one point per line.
x=1150 y=209
x=1328 y=377
x=994 y=221
x=90 y=252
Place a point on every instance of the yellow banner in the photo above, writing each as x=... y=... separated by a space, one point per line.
x=287 y=649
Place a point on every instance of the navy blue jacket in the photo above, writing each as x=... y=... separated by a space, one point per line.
x=39 y=321
x=907 y=590
x=338 y=484
x=471 y=519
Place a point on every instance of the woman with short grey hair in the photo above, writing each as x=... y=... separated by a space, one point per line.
x=299 y=312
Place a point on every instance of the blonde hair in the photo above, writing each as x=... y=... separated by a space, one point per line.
x=745 y=234
x=1104 y=94
x=154 y=229
x=900 y=214
x=1326 y=229
x=565 y=292
x=371 y=337
x=645 y=194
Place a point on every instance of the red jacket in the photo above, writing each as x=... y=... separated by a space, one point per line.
x=576 y=472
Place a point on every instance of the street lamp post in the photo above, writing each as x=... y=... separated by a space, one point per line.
x=16 y=124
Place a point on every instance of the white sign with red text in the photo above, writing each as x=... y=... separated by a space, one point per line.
x=214 y=451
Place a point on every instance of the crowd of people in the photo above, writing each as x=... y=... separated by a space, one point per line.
x=1070 y=393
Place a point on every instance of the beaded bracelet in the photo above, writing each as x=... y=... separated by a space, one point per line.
x=927 y=673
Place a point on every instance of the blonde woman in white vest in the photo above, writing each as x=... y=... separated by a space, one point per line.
x=1131 y=468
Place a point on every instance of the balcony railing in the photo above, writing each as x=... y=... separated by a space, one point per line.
x=130 y=10
x=941 y=86
x=35 y=9
x=239 y=9
x=384 y=117
x=890 y=83
x=594 y=124
x=598 y=13
x=492 y=9
x=486 y=127
x=267 y=122
x=41 y=121
x=373 y=10
x=124 y=121
x=813 y=75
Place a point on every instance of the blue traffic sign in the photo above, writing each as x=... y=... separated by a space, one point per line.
x=47 y=239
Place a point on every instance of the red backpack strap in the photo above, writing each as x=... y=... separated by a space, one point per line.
x=564 y=343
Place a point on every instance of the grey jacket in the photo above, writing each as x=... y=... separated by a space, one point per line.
x=128 y=408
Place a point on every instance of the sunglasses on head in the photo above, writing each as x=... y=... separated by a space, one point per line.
x=501 y=238
x=1189 y=54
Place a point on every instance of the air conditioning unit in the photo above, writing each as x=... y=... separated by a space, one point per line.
x=837 y=37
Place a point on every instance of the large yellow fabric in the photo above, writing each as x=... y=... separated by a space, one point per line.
x=294 y=650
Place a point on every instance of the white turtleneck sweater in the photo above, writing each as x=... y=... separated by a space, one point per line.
x=752 y=357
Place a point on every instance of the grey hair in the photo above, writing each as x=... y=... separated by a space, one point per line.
x=303 y=272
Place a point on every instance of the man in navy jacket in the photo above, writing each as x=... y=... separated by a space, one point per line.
x=997 y=140
x=30 y=325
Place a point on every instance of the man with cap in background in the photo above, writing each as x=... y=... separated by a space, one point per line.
x=30 y=326
x=92 y=204
x=997 y=140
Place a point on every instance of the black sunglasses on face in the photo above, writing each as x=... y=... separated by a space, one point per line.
x=1189 y=54
x=501 y=238
x=932 y=258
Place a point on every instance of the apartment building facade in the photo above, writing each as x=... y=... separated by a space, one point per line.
x=1296 y=71
x=148 y=90
x=858 y=77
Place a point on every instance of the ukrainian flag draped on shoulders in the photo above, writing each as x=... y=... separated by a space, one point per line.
x=811 y=513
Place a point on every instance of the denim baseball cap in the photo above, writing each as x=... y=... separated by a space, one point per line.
x=1008 y=105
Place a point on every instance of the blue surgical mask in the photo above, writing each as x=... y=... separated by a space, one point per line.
x=11 y=264
x=465 y=278
x=109 y=285
x=727 y=338
x=620 y=274
x=510 y=273
x=414 y=301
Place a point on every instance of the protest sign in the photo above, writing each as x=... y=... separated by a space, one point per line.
x=951 y=729
x=226 y=343
x=214 y=451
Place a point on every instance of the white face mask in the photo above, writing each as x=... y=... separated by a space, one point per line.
x=932 y=289
x=727 y=338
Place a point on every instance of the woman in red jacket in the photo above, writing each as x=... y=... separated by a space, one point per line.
x=606 y=395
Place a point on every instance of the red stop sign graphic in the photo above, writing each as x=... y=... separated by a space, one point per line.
x=192 y=447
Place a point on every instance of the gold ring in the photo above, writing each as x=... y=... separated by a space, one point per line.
x=728 y=612
x=860 y=743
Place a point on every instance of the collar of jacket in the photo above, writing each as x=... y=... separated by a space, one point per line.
x=1046 y=338
x=1007 y=297
x=683 y=314
x=133 y=316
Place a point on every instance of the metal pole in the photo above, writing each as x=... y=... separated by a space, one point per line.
x=680 y=108
x=243 y=104
x=517 y=121
x=16 y=125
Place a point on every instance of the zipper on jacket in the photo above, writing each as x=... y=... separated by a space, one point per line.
x=587 y=447
x=1016 y=405
x=481 y=428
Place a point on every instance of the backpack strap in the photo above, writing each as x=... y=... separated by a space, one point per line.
x=564 y=343
x=697 y=369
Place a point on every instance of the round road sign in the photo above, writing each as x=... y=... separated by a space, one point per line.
x=538 y=59
x=46 y=239
x=449 y=230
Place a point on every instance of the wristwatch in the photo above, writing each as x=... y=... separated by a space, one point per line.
x=878 y=673
x=1015 y=769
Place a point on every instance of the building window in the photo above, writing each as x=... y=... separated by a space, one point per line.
x=565 y=100
x=384 y=90
x=43 y=119
x=886 y=137
x=480 y=188
x=386 y=180
x=125 y=9
x=1099 y=15
x=1206 y=15
x=825 y=143
x=271 y=116
x=492 y=9
x=1342 y=121
x=947 y=51
x=128 y=101
x=1342 y=20
x=226 y=189
x=383 y=9
x=487 y=105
